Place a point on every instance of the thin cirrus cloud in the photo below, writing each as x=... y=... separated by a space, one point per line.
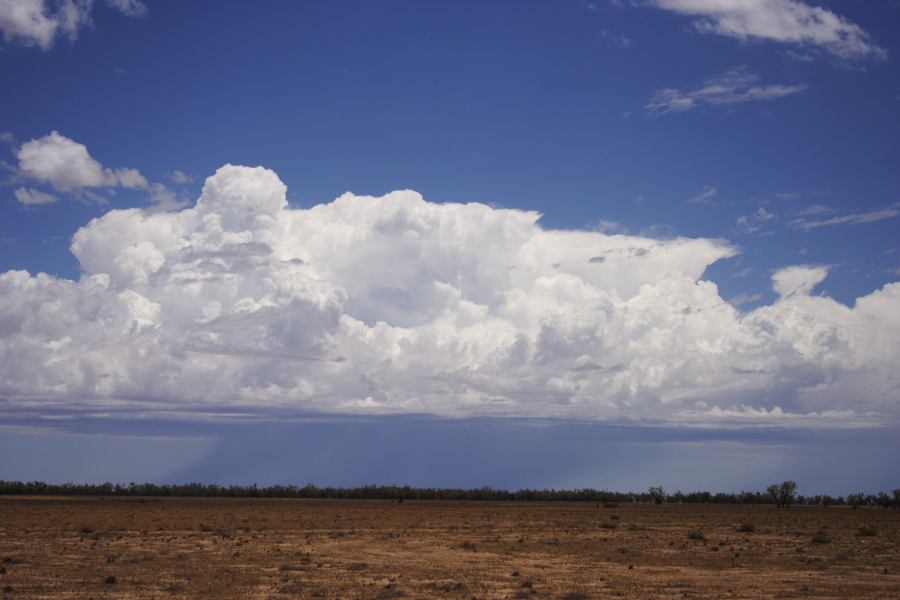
x=40 y=22
x=398 y=305
x=705 y=196
x=782 y=21
x=68 y=167
x=804 y=220
x=732 y=88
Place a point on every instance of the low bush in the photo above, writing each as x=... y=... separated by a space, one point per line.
x=820 y=537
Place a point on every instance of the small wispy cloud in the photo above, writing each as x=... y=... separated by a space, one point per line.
x=754 y=222
x=617 y=39
x=610 y=227
x=736 y=86
x=705 y=196
x=782 y=21
x=856 y=218
x=180 y=177
x=815 y=210
x=32 y=197
x=742 y=299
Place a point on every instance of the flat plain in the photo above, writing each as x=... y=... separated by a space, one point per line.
x=284 y=548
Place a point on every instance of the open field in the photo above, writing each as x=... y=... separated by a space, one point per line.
x=248 y=548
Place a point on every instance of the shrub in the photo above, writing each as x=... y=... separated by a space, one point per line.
x=820 y=538
x=575 y=596
x=111 y=579
x=609 y=524
x=747 y=527
x=867 y=531
x=696 y=535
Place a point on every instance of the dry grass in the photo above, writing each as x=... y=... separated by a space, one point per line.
x=208 y=548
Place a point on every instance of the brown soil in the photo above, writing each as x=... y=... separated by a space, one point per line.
x=238 y=548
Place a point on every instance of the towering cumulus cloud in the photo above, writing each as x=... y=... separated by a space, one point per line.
x=399 y=305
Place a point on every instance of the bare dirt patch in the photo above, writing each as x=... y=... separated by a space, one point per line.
x=243 y=548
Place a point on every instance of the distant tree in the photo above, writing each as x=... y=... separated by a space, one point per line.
x=657 y=494
x=784 y=493
x=897 y=498
x=775 y=491
x=788 y=493
x=856 y=500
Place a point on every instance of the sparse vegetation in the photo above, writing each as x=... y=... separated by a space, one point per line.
x=820 y=537
x=866 y=531
x=428 y=549
x=746 y=527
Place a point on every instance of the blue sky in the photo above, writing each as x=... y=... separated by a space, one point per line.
x=676 y=143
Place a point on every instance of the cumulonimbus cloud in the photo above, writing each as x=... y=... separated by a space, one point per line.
x=399 y=305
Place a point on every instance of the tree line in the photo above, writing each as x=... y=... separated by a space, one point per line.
x=780 y=494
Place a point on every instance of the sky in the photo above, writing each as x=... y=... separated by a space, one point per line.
x=605 y=244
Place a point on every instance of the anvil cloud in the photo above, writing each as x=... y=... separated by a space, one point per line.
x=399 y=305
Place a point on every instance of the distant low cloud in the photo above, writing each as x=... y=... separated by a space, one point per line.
x=394 y=304
x=40 y=22
x=783 y=21
x=734 y=87
x=804 y=220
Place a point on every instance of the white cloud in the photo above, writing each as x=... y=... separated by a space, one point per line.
x=797 y=280
x=67 y=166
x=398 y=305
x=705 y=196
x=858 y=218
x=28 y=196
x=40 y=22
x=734 y=87
x=785 y=21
